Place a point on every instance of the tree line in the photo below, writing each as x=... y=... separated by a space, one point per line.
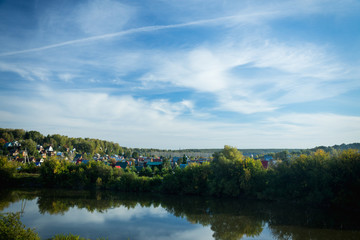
x=89 y=146
x=319 y=178
x=30 y=139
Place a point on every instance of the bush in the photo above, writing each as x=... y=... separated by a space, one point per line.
x=29 y=168
x=11 y=228
x=7 y=170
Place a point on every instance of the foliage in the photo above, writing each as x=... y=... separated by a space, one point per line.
x=11 y=228
x=62 y=173
x=234 y=175
x=29 y=168
x=29 y=140
x=320 y=177
x=30 y=146
x=7 y=170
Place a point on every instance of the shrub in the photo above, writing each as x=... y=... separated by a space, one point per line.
x=7 y=170
x=11 y=228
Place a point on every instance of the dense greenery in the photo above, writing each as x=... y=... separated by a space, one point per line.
x=324 y=175
x=11 y=228
x=7 y=170
x=30 y=139
x=319 y=178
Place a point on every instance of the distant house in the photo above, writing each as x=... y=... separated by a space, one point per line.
x=122 y=165
x=174 y=161
x=84 y=161
x=43 y=154
x=8 y=145
x=14 y=144
x=78 y=158
x=147 y=160
x=266 y=160
x=24 y=153
x=154 y=164
x=265 y=164
x=49 y=149
x=203 y=159
x=182 y=166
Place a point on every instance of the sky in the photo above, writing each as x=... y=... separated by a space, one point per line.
x=172 y=74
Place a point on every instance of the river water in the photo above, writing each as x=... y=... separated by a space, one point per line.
x=147 y=216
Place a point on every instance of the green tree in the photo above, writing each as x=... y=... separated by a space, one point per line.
x=228 y=154
x=30 y=146
x=7 y=170
x=127 y=153
x=35 y=135
x=283 y=155
x=184 y=158
x=8 y=137
x=18 y=134
x=135 y=155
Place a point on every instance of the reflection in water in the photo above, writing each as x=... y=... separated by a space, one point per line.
x=227 y=218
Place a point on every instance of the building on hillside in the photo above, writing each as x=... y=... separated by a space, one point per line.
x=182 y=166
x=78 y=157
x=155 y=164
x=265 y=164
x=49 y=149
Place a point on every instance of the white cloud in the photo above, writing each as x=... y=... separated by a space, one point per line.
x=66 y=77
x=32 y=71
x=103 y=16
x=161 y=124
x=302 y=72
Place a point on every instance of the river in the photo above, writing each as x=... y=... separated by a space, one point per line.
x=147 y=216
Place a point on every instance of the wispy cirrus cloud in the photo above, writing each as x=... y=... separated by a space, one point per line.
x=132 y=31
x=300 y=73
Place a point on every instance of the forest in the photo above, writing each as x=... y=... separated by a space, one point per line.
x=29 y=140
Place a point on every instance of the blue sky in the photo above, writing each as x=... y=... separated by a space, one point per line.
x=183 y=74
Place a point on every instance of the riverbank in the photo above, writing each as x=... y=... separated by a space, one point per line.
x=318 y=179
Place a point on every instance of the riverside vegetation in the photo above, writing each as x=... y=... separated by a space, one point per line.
x=319 y=178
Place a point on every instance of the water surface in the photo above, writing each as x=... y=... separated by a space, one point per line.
x=145 y=216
